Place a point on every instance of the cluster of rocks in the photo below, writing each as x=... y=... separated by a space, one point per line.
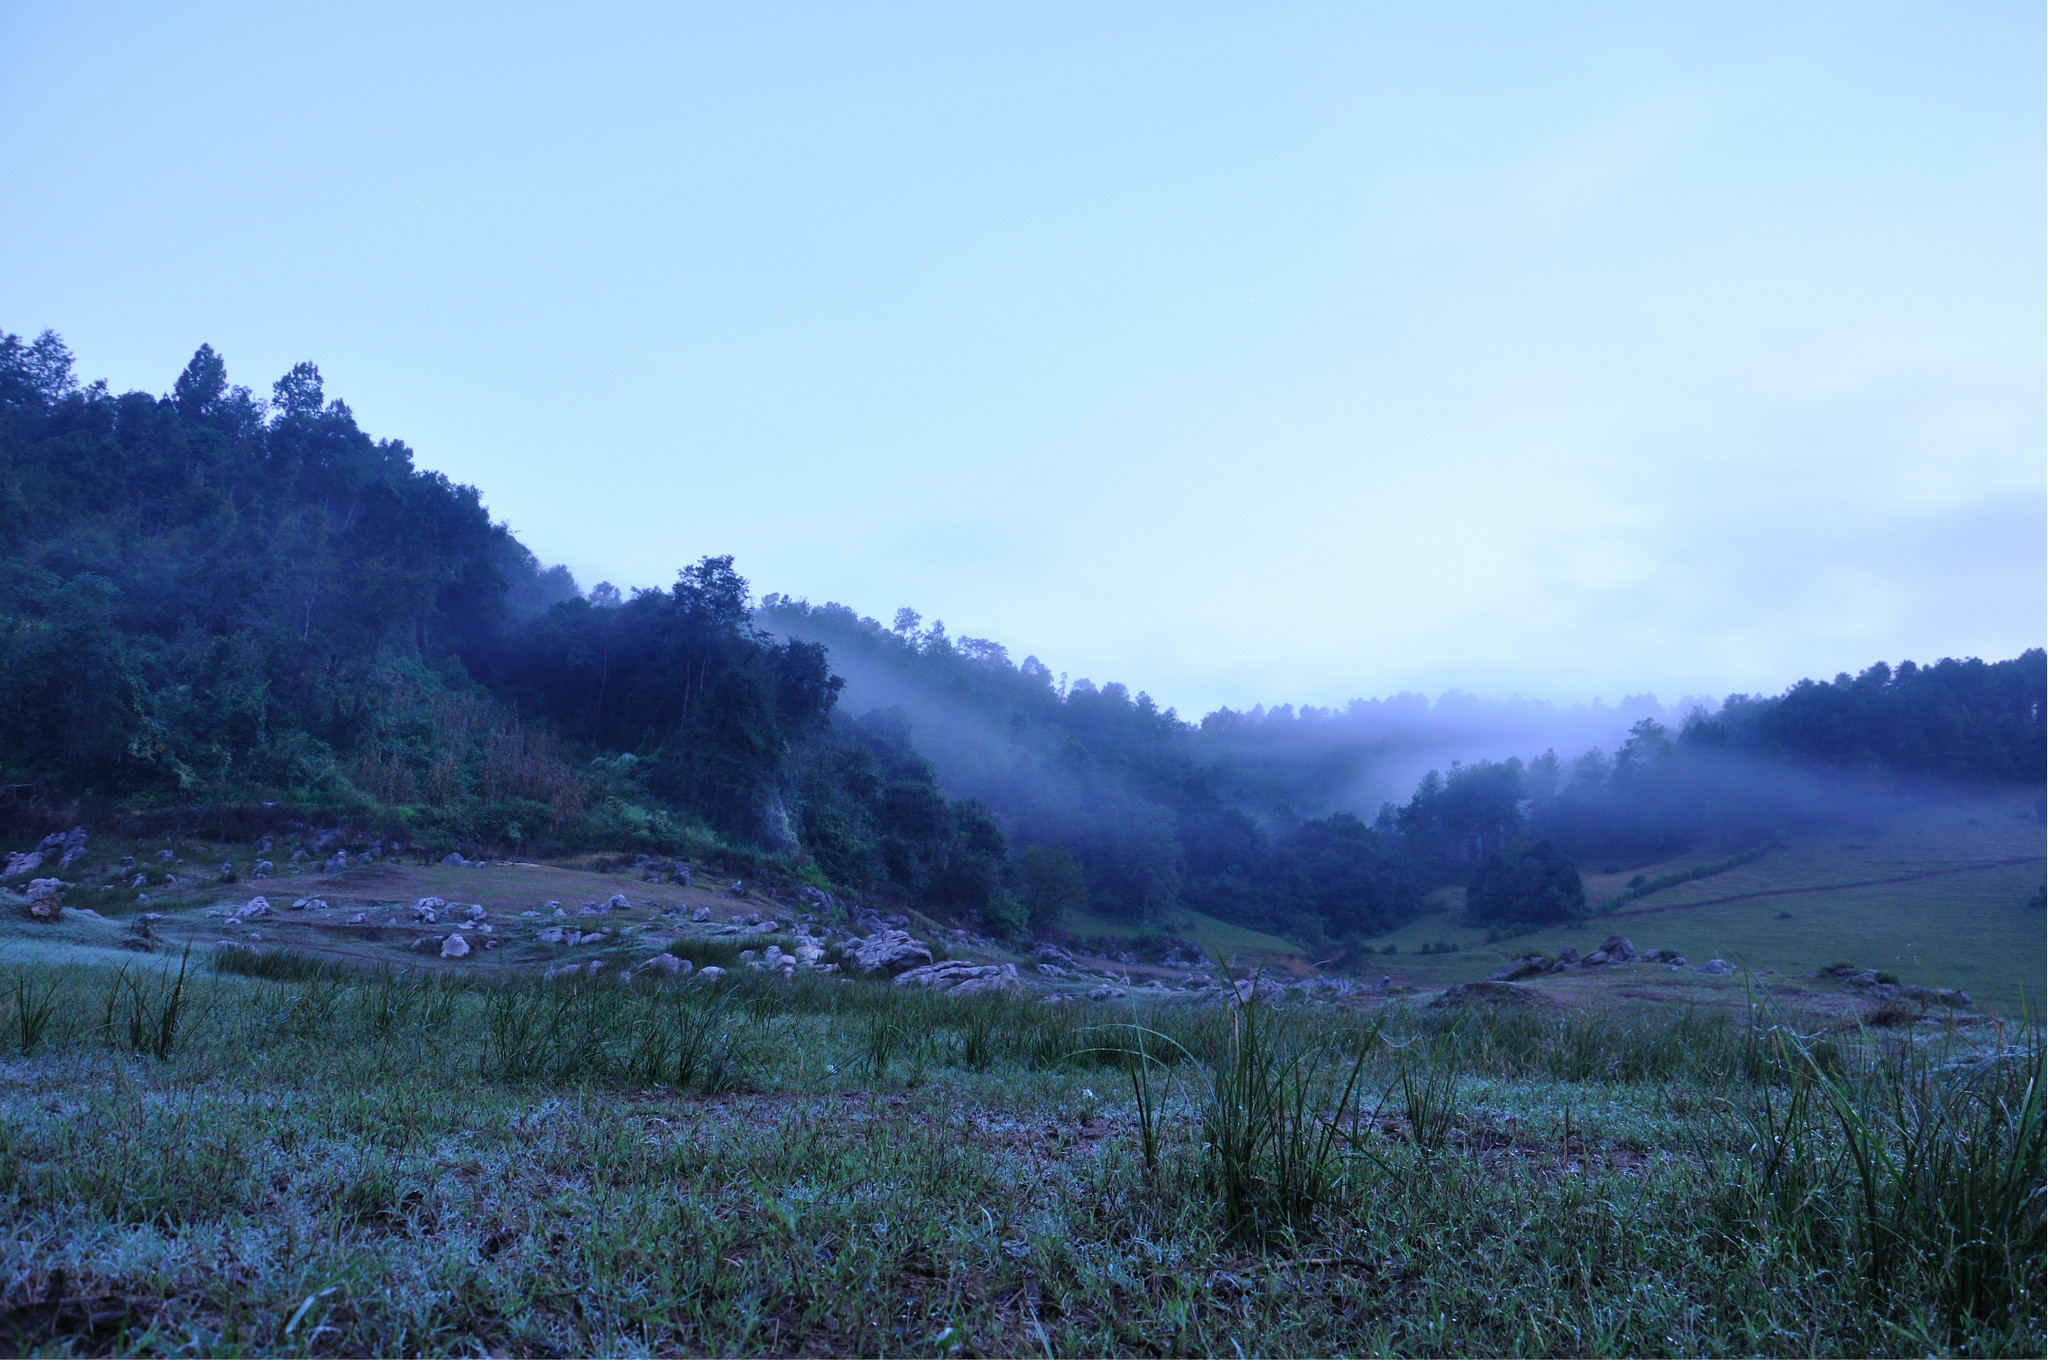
x=652 y=870
x=1877 y=987
x=1617 y=950
x=68 y=847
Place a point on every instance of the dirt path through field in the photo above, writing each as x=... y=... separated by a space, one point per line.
x=1831 y=887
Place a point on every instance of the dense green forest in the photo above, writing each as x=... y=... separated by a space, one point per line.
x=211 y=598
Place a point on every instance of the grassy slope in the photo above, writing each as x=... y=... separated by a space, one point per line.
x=1971 y=930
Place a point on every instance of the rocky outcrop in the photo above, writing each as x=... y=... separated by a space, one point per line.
x=957 y=977
x=888 y=951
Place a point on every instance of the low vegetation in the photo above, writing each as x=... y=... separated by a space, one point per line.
x=269 y=1153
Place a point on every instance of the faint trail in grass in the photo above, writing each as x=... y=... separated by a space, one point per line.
x=1830 y=887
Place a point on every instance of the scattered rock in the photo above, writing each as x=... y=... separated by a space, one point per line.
x=700 y=914
x=1716 y=968
x=264 y=868
x=667 y=964
x=427 y=909
x=357 y=919
x=27 y=862
x=474 y=912
x=616 y=902
x=455 y=947
x=1106 y=994
x=1054 y=955
x=552 y=935
x=139 y=881
x=257 y=908
x=337 y=862
x=455 y=859
x=1618 y=949
x=1596 y=958
x=710 y=972
x=166 y=856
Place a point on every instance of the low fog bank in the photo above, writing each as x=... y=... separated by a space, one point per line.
x=1371 y=751
x=1330 y=825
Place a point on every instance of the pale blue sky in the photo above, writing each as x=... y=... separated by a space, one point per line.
x=1242 y=353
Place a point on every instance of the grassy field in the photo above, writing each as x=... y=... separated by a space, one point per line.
x=321 y=1162
x=301 y=1134
x=1965 y=927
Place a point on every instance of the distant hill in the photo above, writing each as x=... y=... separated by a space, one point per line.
x=214 y=598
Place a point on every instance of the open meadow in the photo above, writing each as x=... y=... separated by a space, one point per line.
x=306 y=1131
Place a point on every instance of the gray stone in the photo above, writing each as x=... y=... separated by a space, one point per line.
x=256 y=909
x=889 y=951
x=357 y=919
x=700 y=913
x=264 y=869
x=1716 y=968
x=710 y=972
x=337 y=862
x=957 y=977
x=45 y=899
x=552 y=935
x=455 y=859
x=1618 y=949
x=139 y=881
x=1528 y=965
x=26 y=862
x=455 y=947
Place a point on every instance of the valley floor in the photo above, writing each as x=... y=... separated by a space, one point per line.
x=327 y=1163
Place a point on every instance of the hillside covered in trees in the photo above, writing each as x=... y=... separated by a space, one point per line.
x=211 y=598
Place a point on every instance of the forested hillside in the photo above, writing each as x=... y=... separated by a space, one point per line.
x=214 y=598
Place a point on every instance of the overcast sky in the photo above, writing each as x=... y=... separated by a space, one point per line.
x=1246 y=354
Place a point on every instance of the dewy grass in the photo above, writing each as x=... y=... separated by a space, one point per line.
x=33 y=1008
x=400 y=1162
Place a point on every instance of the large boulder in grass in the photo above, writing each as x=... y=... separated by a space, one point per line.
x=45 y=898
x=889 y=951
x=957 y=977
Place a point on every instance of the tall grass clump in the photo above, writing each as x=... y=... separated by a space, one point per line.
x=1278 y=1095
x=278 y=965
x=149 y=1006
x=587 y=1032
x=1910 y=1166
x=34 y=1008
